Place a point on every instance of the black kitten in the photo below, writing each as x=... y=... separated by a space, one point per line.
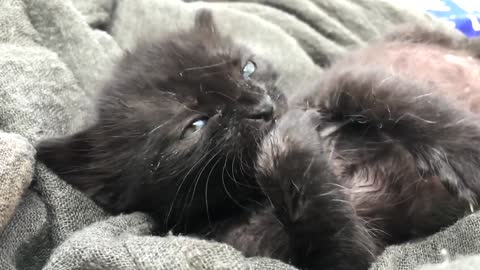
x=177 y=131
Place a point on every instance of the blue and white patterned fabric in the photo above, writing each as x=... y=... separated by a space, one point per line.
x=461 y=14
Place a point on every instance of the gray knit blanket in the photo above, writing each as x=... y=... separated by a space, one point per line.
x=53 y=56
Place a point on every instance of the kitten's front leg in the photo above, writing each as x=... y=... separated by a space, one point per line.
x=322 y=227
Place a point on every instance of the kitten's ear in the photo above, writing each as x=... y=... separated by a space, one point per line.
x=69 y=158
x=204 y=22
x=77 y=160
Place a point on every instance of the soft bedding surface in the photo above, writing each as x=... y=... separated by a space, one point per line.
x=54 y=54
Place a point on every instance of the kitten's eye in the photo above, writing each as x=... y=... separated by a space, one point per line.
x=194 y=127
x=248 y=69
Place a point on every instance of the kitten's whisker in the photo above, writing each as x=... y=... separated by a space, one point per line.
x=203 y=67
x=233 y=170
x=246 y=168
x=225 y=165
x=199 y=175
x=197 y=179
x=242 y=170
x=310 y=164
x=221 y=94
x=206 y=74
x=157 y=127
x=339 y=186
x=182 y=182
x=365 y=246
x=225 y=186
x=234 y=81
x=185 y=106
x=206 y=190
x=231 y=176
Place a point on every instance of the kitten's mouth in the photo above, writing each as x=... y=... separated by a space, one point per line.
x=261 y=121
x=261 y=116
x=262 y=112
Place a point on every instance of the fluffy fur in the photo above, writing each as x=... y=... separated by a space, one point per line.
x=390 y=151
x=361 y=160
x=144 y=152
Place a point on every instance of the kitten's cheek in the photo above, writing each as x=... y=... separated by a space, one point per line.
x=214 y=122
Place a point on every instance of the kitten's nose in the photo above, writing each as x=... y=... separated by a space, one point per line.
x=263 y=110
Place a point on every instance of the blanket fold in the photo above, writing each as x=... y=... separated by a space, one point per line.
x=53 y=56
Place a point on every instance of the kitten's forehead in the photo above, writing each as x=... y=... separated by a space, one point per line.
x=196 y=72
x=210 y=74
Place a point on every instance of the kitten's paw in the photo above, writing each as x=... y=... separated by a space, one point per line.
x=291 y=162
x=291 y=146
x=294 y=173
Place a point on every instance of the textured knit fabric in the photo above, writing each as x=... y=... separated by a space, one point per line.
x=16 y=171
x=53 y=56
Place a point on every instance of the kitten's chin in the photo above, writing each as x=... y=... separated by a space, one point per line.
x=260 y=124
x=258 y=129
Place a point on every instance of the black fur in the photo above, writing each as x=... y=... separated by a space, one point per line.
x=134 y=158
x=358 y=162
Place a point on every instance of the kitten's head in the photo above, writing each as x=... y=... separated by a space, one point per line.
x=178 y=124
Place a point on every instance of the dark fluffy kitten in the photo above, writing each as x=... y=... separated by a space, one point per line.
x=387 y=149
x=186 y=132
x=177 y=131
